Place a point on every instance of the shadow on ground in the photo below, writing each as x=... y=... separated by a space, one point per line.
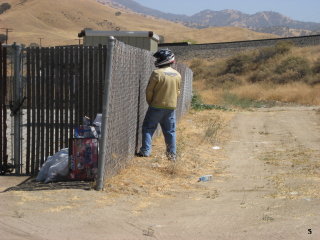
x=32 y=185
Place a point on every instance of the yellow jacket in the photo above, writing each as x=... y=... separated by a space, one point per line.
x=163 y=88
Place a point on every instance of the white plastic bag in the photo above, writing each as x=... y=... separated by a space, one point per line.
x=97 y=123
x=55 y=168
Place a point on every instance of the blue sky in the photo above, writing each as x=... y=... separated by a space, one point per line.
x=302 y=10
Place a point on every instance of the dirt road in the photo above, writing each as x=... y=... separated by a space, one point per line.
x=267 y=186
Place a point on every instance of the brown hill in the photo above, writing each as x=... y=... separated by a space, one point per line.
x=58 y=23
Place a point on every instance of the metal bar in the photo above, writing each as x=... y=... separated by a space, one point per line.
x=4 y=77
x=76 y=79
x=52 y=97
x=67 y=95
x=48 y=99
x=103 y=70
x=17 y=114
x=42 y=103
x=56 y=98
x=61 y=98
x=71 y=88
x=29 y=101
x=104 y=127
x=38 y=106
x=33 y=111
x=81 y=88
x=86 y=83
x=95 y=81
x=90 y=84
x=101 y=74
x=2 y=103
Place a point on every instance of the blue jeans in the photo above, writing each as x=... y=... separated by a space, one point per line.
x=167 y=120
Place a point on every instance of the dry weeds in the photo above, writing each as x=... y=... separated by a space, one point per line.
x=297 y=173
x=155 y=176
x=260 y=81
x=300 y=93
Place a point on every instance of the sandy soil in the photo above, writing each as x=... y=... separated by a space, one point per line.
x=266 y=185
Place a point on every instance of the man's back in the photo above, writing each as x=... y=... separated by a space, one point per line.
x=163 y=88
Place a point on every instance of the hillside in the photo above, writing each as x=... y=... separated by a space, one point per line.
x=266 y=21
x=59 y=23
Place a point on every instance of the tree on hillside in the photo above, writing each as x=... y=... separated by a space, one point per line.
x=3 y=38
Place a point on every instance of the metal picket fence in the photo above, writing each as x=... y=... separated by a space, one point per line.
x=62 y=85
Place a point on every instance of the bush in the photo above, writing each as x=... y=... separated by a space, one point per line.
x=239 y=64
x=4 y=7
x=3 y=38
x=313 y=79
x=284 y=47
x=197 y=104
x=267 y=53
x=316 y=67
x=297 y=65
x=226 y=81
x=198 y=67
x=286 y=77
x=260 y=75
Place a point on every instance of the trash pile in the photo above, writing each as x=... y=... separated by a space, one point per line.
x=80 y=160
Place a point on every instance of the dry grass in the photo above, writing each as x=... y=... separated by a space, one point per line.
x=297 y=173
x=269 y=74
x=155 y=176
x=300 y=93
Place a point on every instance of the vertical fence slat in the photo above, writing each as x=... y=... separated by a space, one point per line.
x=81 y=88
x=2 y=134
x=76 y=85
x=91 y=85
x=61 y=99
x=71 y=89
x=51 y=105
x=86 y=83
x=33 y=111
x=29 y=101
x=4 y=77
x=56 y=98
x=96 y=80
x=48 y=99
x=42 y=103
x=99 y=77
x=67 y=95
x=38 y=106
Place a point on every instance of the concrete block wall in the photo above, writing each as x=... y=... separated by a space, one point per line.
x=218 y=50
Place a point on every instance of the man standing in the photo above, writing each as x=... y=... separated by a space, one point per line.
x=161 y=94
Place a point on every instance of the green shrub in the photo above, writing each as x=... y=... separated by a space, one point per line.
x=297 y=66
x=197 y=104
x=234 y=100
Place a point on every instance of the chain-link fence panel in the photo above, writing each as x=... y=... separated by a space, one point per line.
x=127 y=106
